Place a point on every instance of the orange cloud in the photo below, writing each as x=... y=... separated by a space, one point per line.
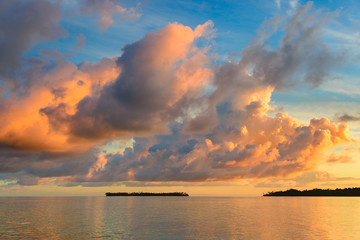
x=336 y=158
x=157 y=92
x=24 y=124
x=162 y=70
x=271 y=147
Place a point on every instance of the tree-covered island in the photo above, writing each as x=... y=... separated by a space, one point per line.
x=344 y=192
x=147 y=194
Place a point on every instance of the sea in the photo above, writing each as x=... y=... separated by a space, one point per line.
x=180 y=218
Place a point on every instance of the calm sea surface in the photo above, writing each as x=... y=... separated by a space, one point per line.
x=180 y=218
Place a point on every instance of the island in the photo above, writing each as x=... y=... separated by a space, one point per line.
x=344 y=192
x=147 y=194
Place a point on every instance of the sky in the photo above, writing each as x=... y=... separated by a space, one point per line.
x=214 y=98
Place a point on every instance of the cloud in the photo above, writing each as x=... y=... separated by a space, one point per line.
x=27 y=180
x=32 y=168
x=160 y=77
x=107 y=9
x=23 y=24
x=336 y=158
x=305 y=179
x=278 y=4
x=54 y=101
x=80 y=42
x=346 y=118
x=157 y=92
x=52 y=90
x=312 y=179
x=301 y=55
x=270 y=147
x=294 y=4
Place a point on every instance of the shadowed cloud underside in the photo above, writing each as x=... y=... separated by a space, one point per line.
x=189 y=116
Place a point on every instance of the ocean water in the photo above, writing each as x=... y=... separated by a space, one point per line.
x=180 y=218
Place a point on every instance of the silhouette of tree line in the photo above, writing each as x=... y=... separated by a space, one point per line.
x=146 y=194
x=317 y=192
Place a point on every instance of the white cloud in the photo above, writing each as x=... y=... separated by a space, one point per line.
x=294 y=4
x=278 y=3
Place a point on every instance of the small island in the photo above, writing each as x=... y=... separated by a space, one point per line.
x=344 y=192
x=147 y=194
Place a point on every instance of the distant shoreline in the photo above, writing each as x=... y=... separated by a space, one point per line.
x=147 y=194
x=344 y=192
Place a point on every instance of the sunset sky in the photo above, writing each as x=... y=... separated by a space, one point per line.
x=214 y=98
